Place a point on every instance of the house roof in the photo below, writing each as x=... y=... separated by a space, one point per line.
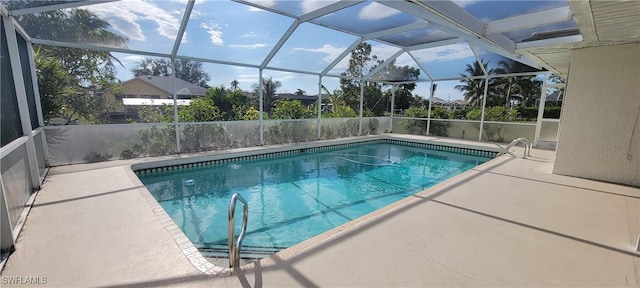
x=554 y=97
x=164 y=83
x=440 y=101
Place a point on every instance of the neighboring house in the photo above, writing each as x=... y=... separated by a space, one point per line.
x=450 y=105
x=554 y=99
x=151 y=91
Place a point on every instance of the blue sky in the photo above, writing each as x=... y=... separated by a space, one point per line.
x=229 y=31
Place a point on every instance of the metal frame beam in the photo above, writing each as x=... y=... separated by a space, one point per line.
x=435 y=44
x=280 y=43
x=420 y=66
x=56 y=7
x=545 y=17
x=448 y=17
x=291 y=70
x=183 y=26
x=478 y=60
x=342 y=55
x=96 y=47
x=21 y=97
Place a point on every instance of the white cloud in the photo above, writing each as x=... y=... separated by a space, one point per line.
x=248 y=46
x=331 y=51
x=124 y=16
x=215 y=33
x=132 y=58
x=250 y=35
x=444 y=53
x=247 y=79
x=376 y=11
x=312 y=5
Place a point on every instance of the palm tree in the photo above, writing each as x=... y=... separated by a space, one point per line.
x=505 y=84
x=269 y=88
x=300 y=92
x=473 y=89
x=529 y=88
x=234 y=85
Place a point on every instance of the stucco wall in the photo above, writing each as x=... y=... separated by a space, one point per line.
x=599 y=115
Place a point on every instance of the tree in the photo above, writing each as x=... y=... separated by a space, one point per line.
x=269 y=88
x=342 y=111
x=529 y=87
x=360 y=63
x=251 y=114
x=473 y=89
x=199 y=110
x=300 y=92
x=231 y=103
x=289 y=109
x=54 y=82
x=506 y=84
x=234 y=84
x=187 y=70
x=72 y=81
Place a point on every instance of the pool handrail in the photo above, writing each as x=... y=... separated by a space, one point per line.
x=527 y=145
x=234 y=249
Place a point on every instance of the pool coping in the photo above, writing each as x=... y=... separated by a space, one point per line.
x=203 y=265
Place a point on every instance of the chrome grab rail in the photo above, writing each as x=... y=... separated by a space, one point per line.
x=234 y=250
x=525 y=141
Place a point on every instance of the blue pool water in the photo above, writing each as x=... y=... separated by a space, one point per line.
x=293 y=198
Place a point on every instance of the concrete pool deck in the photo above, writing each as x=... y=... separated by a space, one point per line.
x=509 y=222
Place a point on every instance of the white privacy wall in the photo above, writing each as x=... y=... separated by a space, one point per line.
x=600 y=114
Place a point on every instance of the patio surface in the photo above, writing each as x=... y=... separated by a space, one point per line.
x=508 y=222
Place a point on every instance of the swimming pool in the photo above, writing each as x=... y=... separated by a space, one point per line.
x=295 y=195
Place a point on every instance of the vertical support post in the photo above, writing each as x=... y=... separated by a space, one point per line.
x=484 y=104
x=543 y=100
x=393 y=106
x=361 y=105
x=261 y=104
x=175 y=104
x=319 y=106
x=36 y=91
x=21 y=95
x=432 y=90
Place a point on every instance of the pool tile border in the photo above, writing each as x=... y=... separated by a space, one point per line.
x=296 y=151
